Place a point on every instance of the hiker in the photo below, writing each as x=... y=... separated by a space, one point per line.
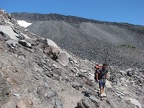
x=101 y=76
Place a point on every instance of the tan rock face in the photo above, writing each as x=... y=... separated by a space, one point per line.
x=20 y=104
x=24 y=104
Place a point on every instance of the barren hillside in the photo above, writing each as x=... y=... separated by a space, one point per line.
x=115 y=43
x=36 y=73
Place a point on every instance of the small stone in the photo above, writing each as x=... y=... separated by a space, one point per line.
x=16 y=94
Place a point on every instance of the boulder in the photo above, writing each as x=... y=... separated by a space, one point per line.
x=8 y=30
x=25 y=43
x=12 y=43
x=95 y=100
x=86 y=103
x=63 y=58
x=129 y=73
x=52 y=49
x=135 y=102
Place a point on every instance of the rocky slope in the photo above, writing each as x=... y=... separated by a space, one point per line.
x=115 y=43
x=36 y=73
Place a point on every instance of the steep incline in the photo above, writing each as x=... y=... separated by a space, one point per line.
x=36 y=73
x=115 y=43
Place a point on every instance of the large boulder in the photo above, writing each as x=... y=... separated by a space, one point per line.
x=135 y=102
x=55 y=53
x=8 y=30
x=63 y=58
x=52 y=49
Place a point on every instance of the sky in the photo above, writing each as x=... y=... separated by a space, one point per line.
x=127 y=11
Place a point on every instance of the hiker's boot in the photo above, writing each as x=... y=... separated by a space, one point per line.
x=104 y=94
x=101 y=95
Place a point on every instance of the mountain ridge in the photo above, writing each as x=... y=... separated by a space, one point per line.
x=67 y=18
x=90 y=39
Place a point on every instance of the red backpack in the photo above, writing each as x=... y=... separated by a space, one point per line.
x=97 y=67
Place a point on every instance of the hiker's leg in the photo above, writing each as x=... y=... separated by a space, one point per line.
x=101 y=90
x=101 y=87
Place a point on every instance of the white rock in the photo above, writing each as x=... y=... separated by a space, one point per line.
x=12 y=43
x=120 y=93
x=25 y=36
x=52 y=43
x=123 y=72
x=53 y=46
x=135 y=102
x=8 y=30
x=55 y=66
x=63 y=58
x=16 y=94
x=24 y=41
x=130 y=69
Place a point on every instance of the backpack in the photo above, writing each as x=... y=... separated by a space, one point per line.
x=97 y=67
